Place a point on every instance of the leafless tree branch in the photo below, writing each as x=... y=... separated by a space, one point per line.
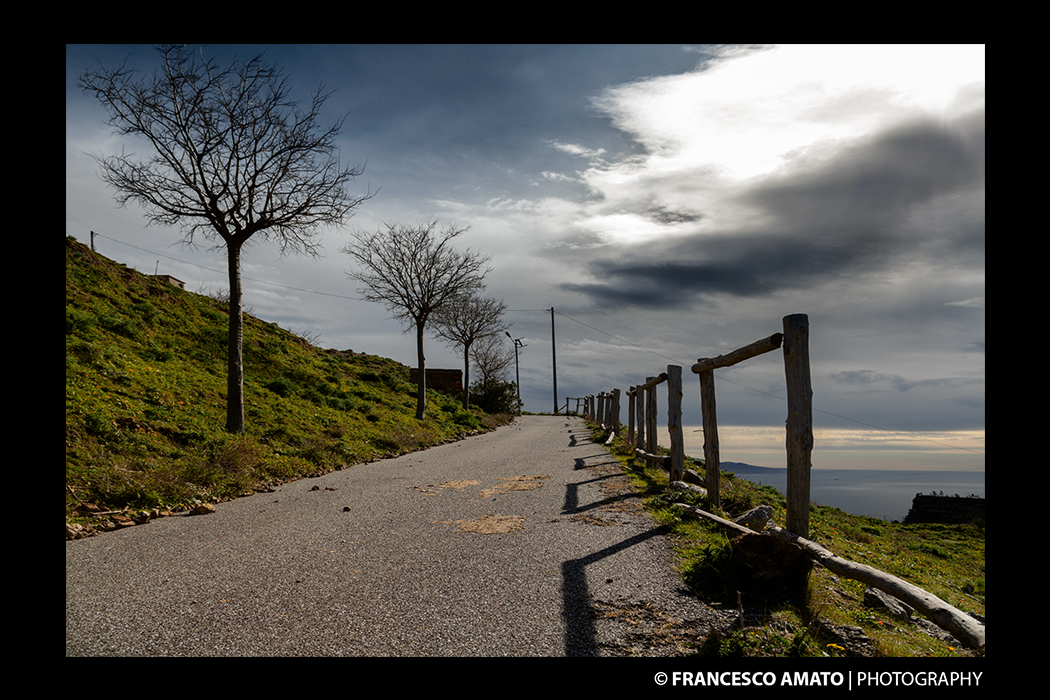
x=414 y=271
x=231 y=156
x=464 y=320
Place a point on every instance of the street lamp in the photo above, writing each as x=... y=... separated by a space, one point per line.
x=517 y=344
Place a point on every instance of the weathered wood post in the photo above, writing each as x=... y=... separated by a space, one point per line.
x=705 y=367
x=631 y=395
x=674 y=422
x=639 y=408
x=710 y=422
x=614 y=411
x=599 y=416
x=650 y=417
x=799 y=422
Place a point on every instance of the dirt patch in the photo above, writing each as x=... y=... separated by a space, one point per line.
x=515 y=483
x=648 y=631
x=512 y=483
x=489 y=524
x=458 y=485
x=429 y=489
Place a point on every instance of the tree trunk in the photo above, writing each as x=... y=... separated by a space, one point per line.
x=466 y=376
x=235 y=339
x=421 y=398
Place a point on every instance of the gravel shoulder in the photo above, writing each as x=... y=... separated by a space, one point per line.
x=526 y=541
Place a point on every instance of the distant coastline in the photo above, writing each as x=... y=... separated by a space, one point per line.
x=742 y=468
x=881 y=493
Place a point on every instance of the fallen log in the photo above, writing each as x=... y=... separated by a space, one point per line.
x=968 y=630
x=965 y=628
x=694 y=512
x=663 y=460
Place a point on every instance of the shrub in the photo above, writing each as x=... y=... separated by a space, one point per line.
x=466 y=419
x=495 y=396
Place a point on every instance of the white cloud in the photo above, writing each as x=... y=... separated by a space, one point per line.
x=975 y=303
x=756 y=113
x=577 y=150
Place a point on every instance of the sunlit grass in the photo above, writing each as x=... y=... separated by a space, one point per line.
x=145 y=377
x=946 y=560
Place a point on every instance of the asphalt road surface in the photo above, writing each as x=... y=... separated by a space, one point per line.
x=525 y=541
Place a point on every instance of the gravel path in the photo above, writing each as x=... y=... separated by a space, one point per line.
x=521 y=542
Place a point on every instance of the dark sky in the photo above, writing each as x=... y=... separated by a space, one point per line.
x=670 y=202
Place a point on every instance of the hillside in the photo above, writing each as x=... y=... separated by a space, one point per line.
x=146 y=396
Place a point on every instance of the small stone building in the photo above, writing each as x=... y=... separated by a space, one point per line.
x=449 y=381
x=171 y=280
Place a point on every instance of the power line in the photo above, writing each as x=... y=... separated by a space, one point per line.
x=559 y=313
x=209 y=269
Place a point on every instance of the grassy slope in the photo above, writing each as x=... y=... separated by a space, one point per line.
x=946 y=560
x=146 y=396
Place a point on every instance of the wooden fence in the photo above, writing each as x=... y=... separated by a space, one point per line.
x=641 y=431
x=604 y=409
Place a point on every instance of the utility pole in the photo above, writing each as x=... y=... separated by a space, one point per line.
x=554 y=364
x=517 y=373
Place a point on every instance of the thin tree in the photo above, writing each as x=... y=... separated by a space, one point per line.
x=464 y=320
x=414 y=271
x=492 y=358
x=233 y=156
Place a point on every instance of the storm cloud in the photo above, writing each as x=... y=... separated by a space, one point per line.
x=854 y=213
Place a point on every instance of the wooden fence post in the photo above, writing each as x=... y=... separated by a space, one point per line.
x=639 y=409
x=631 y=395
x=710 y=421
x=614 y=412
x=650 y=417
x=799 y=422
x=674 y=422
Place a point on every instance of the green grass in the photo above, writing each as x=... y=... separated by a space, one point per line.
x=945 y=560
x=146 y=398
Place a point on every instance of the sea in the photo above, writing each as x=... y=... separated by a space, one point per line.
x=880 y=493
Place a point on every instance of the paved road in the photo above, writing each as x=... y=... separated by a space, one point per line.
x=521 y=542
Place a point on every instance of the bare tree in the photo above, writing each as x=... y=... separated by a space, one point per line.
x=464 y=320
x=492 y=358
x=414 y=271
x=234 y=156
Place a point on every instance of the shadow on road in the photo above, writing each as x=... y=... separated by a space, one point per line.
x=572 y=500
x=577 y=611
x=580 y=633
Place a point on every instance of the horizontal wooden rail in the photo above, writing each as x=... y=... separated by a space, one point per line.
x=758 y=347
x=653 y=381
